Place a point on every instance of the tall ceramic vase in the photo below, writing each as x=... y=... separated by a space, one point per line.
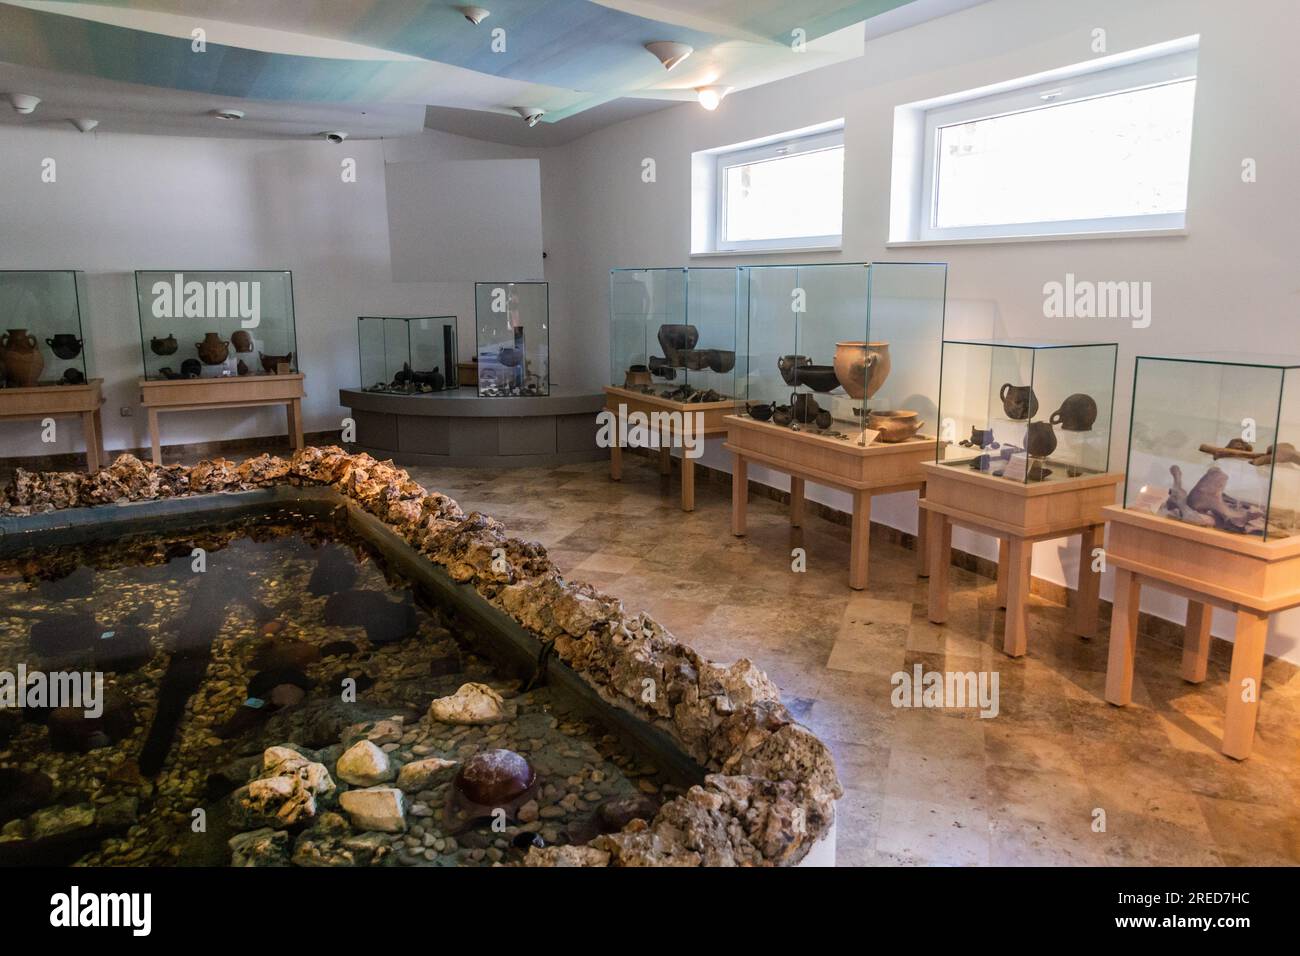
x=862 y=367
x=21 y=354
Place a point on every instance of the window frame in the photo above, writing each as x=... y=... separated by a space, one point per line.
x=1149 y=73
x=783 y=147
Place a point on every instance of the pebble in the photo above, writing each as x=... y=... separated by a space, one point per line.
x=551 y=813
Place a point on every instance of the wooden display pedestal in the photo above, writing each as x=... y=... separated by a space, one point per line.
x=243 y=391
x=862 y=471
x=1018 y=514
x=61 y=401
x=651 y=406
x=1242 y=574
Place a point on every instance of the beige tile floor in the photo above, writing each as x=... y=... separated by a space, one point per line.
x=926 y=786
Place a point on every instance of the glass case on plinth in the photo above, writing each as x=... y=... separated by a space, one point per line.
x=407 y=356
x=40 y=329
x=1027 y=411
x=216 y=324
x=1212 y=442
x=673 y=332
x=514 y=340
x=848 y=351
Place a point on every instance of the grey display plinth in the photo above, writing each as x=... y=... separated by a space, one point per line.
x=461 y=429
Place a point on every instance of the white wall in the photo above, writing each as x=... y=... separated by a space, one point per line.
x=123 y=202
x=1230 y=284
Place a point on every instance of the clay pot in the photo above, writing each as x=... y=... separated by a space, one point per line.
x=695 y=360
x=73 y=376
x=191 y=368
x=804 y=408
x=894 y=426
x=824 y=420
x=213 y=350
x=981 y=437
x=1078 y=413
x=1040 y=439
x=636 y=376
x=722 y=360
x=660 y=366
x=1018 y=401
x=242 y=341
x=787 y=364
x=165 y=346
x=761 y=413
x=21 y=354
x=820 y=378
x=677 y=338
x=862 y=367
x=269 y=362
x=65 y=346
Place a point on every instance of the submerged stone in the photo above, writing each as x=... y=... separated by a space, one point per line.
x=495 y=777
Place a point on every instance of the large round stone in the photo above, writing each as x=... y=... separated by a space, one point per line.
x=495 y=777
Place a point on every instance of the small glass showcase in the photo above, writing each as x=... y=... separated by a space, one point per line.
x=407 y=356
x=1212 y=442
x=673 y=332
x=514 y=339
x=1027 y=412
x=848 y=351
x=40 y=329
x=216 y=324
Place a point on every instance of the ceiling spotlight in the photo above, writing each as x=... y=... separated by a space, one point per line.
x=335 y=136
x=711 y=96
x=23 y=102
x=670 y=52
x=227 y=114
x=531 y=116
x=85 y=125
x=474 y=15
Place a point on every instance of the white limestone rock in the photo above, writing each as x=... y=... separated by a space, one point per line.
x=420 y=774
x=364 y=765
x=472 y=704
x=375 y=808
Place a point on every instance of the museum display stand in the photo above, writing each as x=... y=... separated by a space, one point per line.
x=1226 y=539
x=690 y=316
x=42 y=360
x=861 y=470
x=1027 y=429
x=241 y=354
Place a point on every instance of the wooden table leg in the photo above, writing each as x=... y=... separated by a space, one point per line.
x=1196 y=641
x=739 y=493
x=1088 y=594
x=155 y=441
x=1244 y=682
x=99 y=437
x=93 y=463
x=860 y=540
x=615 y=459
x=688 y=481
x=666 y=453
x=922 y=539
x=796 y=502
x=1015 y=640
x=1123 y=637
x=1004 y=559
x=940 y=558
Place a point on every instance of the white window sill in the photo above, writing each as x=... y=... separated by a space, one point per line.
x=1046 y=237
x=743 y=253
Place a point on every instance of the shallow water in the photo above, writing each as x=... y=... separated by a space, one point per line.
x=206 y=665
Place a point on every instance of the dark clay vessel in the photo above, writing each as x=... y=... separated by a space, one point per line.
x=1019 y=401
x=165 y=346
x=1078 y=413
x=788 y=364
x=1040 y=440
x=65 y=346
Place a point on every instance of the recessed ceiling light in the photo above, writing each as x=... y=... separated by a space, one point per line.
x=531 y=116
x=227 y=114
x=23 y=102
x=474 y=15
x=85 y=125
x=711 y=96
x=670 y=52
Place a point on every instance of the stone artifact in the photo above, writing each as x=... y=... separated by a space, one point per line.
x=242 y=341
x=165 y=346
x=495 y=778
x=1018 y=401
x=894 y=426
x=1040 y=439
x=674 y=339
x=862 y=367
x=271 y=362
x=65 y=346
x=787 y=364
x=21 y=354
x=213 y=350
x=1077 y=413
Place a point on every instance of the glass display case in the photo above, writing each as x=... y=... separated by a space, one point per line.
x=1027 y=411
x=850 y=351
x=673 y=332
x=407 y=355
x=1212 y=442
x=216 y=324
x=40 y=329
x=512 y=322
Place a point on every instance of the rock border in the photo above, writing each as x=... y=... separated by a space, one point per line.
x=769 y=794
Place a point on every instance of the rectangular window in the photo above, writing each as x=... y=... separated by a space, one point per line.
x=1102 y=151
x=784 y=194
